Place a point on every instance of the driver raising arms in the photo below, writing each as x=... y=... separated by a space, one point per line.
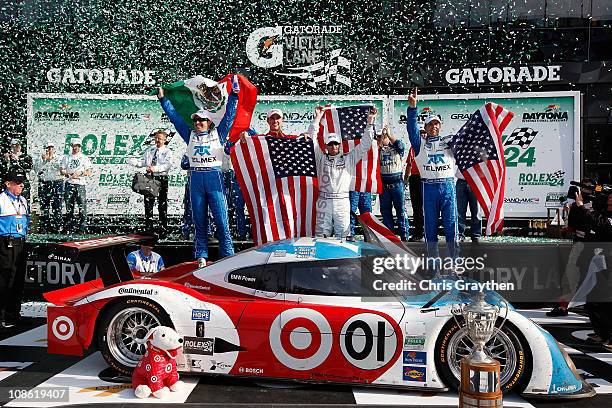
x=334 y=173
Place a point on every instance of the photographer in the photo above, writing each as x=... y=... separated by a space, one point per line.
x=597 y=285
x=579 y=258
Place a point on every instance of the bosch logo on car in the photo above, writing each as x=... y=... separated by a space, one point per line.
x=200 y=314
x=249 y=370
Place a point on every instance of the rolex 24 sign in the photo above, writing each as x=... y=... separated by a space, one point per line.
x=307 y=53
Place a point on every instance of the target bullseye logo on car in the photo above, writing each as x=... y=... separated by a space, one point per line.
x=63 y=327
x=301 y=338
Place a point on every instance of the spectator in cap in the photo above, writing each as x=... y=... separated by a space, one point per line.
x=157 y=160
x=16 y=157
x=274 y=117
x=50 y=189
x=145 y=261
x=75 y=166
x=14 y=220
x=205 y=149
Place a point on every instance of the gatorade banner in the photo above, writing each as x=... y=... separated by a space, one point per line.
x=541 y=143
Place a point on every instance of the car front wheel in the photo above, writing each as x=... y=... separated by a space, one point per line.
x=506 y=346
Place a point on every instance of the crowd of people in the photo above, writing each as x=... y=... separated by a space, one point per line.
x=212 y=193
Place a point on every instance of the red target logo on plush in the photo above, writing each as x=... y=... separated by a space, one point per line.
x=62 y=327
x=301 y=338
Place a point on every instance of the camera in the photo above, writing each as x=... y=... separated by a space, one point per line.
x=599 y=195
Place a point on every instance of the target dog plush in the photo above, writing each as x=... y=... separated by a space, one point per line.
x=156 y=373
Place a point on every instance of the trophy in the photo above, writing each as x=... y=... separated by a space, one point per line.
x=479 y=372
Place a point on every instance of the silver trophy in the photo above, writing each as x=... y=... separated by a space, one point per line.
x=480 y=318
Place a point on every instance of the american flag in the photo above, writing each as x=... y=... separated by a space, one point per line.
x=278 y=179
x=479 y=155
x=349 y=122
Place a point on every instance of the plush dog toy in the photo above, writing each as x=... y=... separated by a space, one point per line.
x=156 y=373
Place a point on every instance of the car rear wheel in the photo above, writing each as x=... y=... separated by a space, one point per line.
x=122 y=332
x=507 y=346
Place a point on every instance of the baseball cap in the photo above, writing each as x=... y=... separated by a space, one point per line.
x=332 y=137
x=16 y=175
x=431 y=118
x=202 y=114
x=15 y=141
x=275 y=112
x=76 y=141
x=49 y=144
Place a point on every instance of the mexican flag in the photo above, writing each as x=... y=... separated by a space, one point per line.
x=197 y=93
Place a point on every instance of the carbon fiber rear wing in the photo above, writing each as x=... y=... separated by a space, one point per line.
x=107 y=253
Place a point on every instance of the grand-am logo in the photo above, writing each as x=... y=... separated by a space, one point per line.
x=460 y=116
x=135 y=291
x=119 y=116
x=290 y=117
x=307 y=53
x=542 y=179
x=521 y=200
x=551 y=113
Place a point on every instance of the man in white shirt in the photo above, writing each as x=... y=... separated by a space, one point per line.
x=50 y=188
x=75 y=167
x=158 y=160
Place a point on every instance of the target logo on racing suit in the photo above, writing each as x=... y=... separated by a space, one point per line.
x=304 y=341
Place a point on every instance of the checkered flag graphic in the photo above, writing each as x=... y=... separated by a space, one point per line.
x=521 y=137
x=558 y=174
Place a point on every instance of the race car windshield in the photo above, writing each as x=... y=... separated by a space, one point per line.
x=341 y=277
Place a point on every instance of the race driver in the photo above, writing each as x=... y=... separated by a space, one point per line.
x=436 y=164
x=205 y=152
x=334 y=173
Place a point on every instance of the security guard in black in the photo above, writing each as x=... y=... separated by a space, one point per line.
x=14 y=219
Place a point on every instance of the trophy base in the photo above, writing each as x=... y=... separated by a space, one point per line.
x=480 y=384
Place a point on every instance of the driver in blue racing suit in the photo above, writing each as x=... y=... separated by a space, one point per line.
x=437 y=167
x=205 y=147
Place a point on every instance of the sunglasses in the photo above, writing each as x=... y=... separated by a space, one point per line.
x=201 y=120
x=333 y=144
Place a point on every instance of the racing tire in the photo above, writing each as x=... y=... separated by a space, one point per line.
x=121 y=332
x=508 y=346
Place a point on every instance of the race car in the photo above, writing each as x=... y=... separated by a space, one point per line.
x=299 y=310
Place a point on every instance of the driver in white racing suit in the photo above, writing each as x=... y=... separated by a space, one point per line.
x=334 y=173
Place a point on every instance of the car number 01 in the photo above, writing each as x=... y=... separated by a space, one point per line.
x=303 y=341
x=363 y=341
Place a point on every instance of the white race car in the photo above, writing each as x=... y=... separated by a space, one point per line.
x=295 y=310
